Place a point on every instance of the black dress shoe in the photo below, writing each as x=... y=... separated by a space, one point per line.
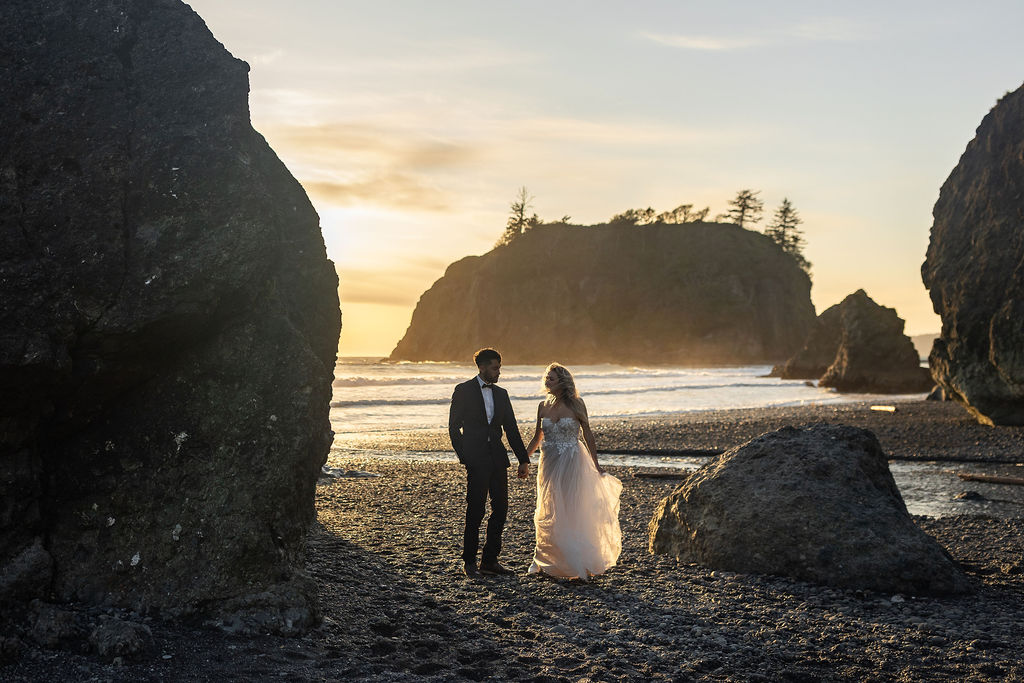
x=494 y=569
x=470 y=570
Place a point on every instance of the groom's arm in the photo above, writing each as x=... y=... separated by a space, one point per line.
x=515 y=439
x=456 y=418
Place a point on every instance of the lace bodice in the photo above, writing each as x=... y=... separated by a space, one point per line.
x=561 y=433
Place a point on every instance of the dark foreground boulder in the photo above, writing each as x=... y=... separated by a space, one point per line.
x=974 y=270
x=168 y=322
x=816 y=503
x=859 y=346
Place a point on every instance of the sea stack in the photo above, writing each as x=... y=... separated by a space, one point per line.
x=694 y=294
x=858 y=345
x=974 y=270
x=169 y=323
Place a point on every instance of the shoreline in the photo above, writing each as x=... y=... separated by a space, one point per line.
x=917 y=430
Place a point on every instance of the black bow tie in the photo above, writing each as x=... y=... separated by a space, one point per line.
x=489 y=386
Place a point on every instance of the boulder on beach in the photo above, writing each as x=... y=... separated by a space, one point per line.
x=974 y=270
x=815 y=503
x=691 y=294
x=859 y=346
x=169 y=323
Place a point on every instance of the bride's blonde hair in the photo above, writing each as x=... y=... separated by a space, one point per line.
x=564 y=391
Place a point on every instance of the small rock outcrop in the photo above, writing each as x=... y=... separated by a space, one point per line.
x=696 y=293
x=974 y=270
x=819 y=350
x=168 y=323
x=816 y=503
x=859 y=346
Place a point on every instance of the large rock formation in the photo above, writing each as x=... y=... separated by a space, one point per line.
x=975 y=270
x=858 y=345
x=816 y=503
x=693 y=294
x=168 y=322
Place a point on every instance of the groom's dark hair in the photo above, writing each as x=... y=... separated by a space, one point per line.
x=484 y=356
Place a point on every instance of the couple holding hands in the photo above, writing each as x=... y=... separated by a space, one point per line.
x=577 y=513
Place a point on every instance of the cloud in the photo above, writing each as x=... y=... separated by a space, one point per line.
x=626 y=134
x=400 y=165
x=267 y=57
x=395 y=286
x=388 y=146
x=396 y=190
x=353 y=164
x=702 y=42
x=820 y=30
x=434 y=57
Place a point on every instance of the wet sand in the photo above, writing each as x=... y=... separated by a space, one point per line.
x=395 y=608
x=917 y=430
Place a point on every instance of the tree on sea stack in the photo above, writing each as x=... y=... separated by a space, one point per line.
x=785 y=231
x=683 y=214
x=518 y=222
x=635 y=217
x=746 y=208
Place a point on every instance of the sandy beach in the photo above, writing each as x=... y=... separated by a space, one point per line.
x=395 y=608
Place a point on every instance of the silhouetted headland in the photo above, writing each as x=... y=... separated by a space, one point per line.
x=692 y=293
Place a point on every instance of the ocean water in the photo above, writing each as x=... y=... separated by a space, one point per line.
x=374 y=396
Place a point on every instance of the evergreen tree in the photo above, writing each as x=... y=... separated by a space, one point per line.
x=518 y=222
x=746 y=208
x=785 y=231
x=676 y=215
x=635 y=217
x=698 y=216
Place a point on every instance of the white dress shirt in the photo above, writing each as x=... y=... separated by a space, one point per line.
x=488 y=398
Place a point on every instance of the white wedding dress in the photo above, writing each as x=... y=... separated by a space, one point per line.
x=577 y=516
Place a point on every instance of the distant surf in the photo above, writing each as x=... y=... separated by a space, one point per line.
x=371 y=395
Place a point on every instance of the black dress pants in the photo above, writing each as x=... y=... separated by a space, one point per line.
x=482 y=482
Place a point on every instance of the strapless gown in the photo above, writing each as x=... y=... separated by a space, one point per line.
x=577 y=516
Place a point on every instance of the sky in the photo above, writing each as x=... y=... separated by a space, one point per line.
x=412 y=125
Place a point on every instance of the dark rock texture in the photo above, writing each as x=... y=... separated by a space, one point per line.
x=816 y=503
x=974 y=270
x=168 y=319
x=858 y=345
x=687 y=294
x=117 y=638
x=819 y=350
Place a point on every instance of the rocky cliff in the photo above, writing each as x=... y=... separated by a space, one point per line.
x=858 y=345
x=168 y=322
x=697 y=293
x=974 y=270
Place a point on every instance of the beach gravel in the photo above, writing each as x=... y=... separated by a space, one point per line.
x=385 y=558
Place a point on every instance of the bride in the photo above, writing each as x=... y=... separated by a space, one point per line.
x=577 y=516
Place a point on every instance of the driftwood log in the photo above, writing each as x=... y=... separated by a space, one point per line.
x=991 y=478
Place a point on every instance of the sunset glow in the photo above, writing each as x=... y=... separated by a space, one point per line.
x=411 y=125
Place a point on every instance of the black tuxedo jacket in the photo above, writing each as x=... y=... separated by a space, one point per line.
x=477 y=443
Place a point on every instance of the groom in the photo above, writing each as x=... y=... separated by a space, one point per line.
x=480 y=410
